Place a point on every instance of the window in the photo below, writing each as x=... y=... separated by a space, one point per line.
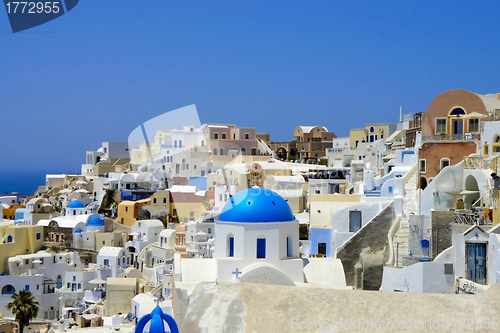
x=164 y=200
x=74 y=278
x=26 y=261
x=247 y=136
x=209 y=230
x=289 y=247
x=223 y=136
x=9 y=239
x=8 y=289
x=79 y=286
x=231 y=246
x=440 y=126
x=473 y=125
x=202 y=143
x=27 y=287
x=180 y=143
x=457 y=111
x=106 y=262
x=261 y=248
x=175 y=144
x=216 y=136
x=444 y=163
x=422 y=166
x=191 y=214
x=38 y=235
x=357 y=143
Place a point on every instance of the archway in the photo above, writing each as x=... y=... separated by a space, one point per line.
x=423 y=183
x=281 y=153
x=473 y=188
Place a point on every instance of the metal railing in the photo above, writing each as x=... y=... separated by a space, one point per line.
x=454 y=137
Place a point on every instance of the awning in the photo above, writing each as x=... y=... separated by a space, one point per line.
x=97 y=281
x=464 y=192
x=90 y=316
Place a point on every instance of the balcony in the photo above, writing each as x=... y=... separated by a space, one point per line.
x=454 y=137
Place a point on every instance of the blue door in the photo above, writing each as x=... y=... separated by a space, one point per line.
x=476 y=262
x=354 y=221
x=261 y=248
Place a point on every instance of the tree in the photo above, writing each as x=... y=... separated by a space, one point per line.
x=24 y=307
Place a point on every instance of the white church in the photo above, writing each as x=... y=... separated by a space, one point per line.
x=257 y=240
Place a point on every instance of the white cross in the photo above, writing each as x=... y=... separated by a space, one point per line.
x=159 y=298
x=237 y=273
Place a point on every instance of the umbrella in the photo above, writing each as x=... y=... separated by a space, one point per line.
x=97 y=281
x=475 y=115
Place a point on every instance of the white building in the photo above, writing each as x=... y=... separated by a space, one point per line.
x=112 y=261
x=144 y=232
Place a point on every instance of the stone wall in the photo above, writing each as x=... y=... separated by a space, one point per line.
x=443 y=228
x=372 y=240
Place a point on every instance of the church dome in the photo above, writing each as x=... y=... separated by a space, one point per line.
x=76 y=204
x=95 y=221
x=256 y=205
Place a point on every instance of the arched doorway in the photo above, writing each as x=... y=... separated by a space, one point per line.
x=471 y=186
x=281 y=153
x=423 y=183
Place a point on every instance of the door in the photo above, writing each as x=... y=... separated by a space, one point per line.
x=476 y=262
x=322 y=249
x=354 y=221
x=458 y=127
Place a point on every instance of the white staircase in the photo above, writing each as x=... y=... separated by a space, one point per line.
x=400 y=240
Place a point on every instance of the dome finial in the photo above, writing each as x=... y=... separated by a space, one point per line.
x=157 y=318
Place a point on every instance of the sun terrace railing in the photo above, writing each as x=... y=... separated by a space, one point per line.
x=480 y=163
x=469 y=218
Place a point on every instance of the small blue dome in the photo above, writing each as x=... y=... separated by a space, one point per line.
x=78 y=231
x=256 y=205
x=76 y=204
x=95 y=221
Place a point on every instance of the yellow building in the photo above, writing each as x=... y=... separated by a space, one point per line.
x=19 y=239
x=10 y=213
x=128 y=211
x=371 y=133
x=189 y=203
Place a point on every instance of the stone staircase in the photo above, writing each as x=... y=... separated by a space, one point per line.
x=400 y=240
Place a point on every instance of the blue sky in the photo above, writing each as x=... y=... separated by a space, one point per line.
x=99 y=71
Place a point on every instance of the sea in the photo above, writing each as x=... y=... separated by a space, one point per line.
x=24 y=181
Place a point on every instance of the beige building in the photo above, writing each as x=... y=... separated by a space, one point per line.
x=119 y=294
x=309 y=143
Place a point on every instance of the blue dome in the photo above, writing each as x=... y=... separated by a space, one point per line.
x=256 y=205
x=76 y=204
x=78 y=231
x=95 y=221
